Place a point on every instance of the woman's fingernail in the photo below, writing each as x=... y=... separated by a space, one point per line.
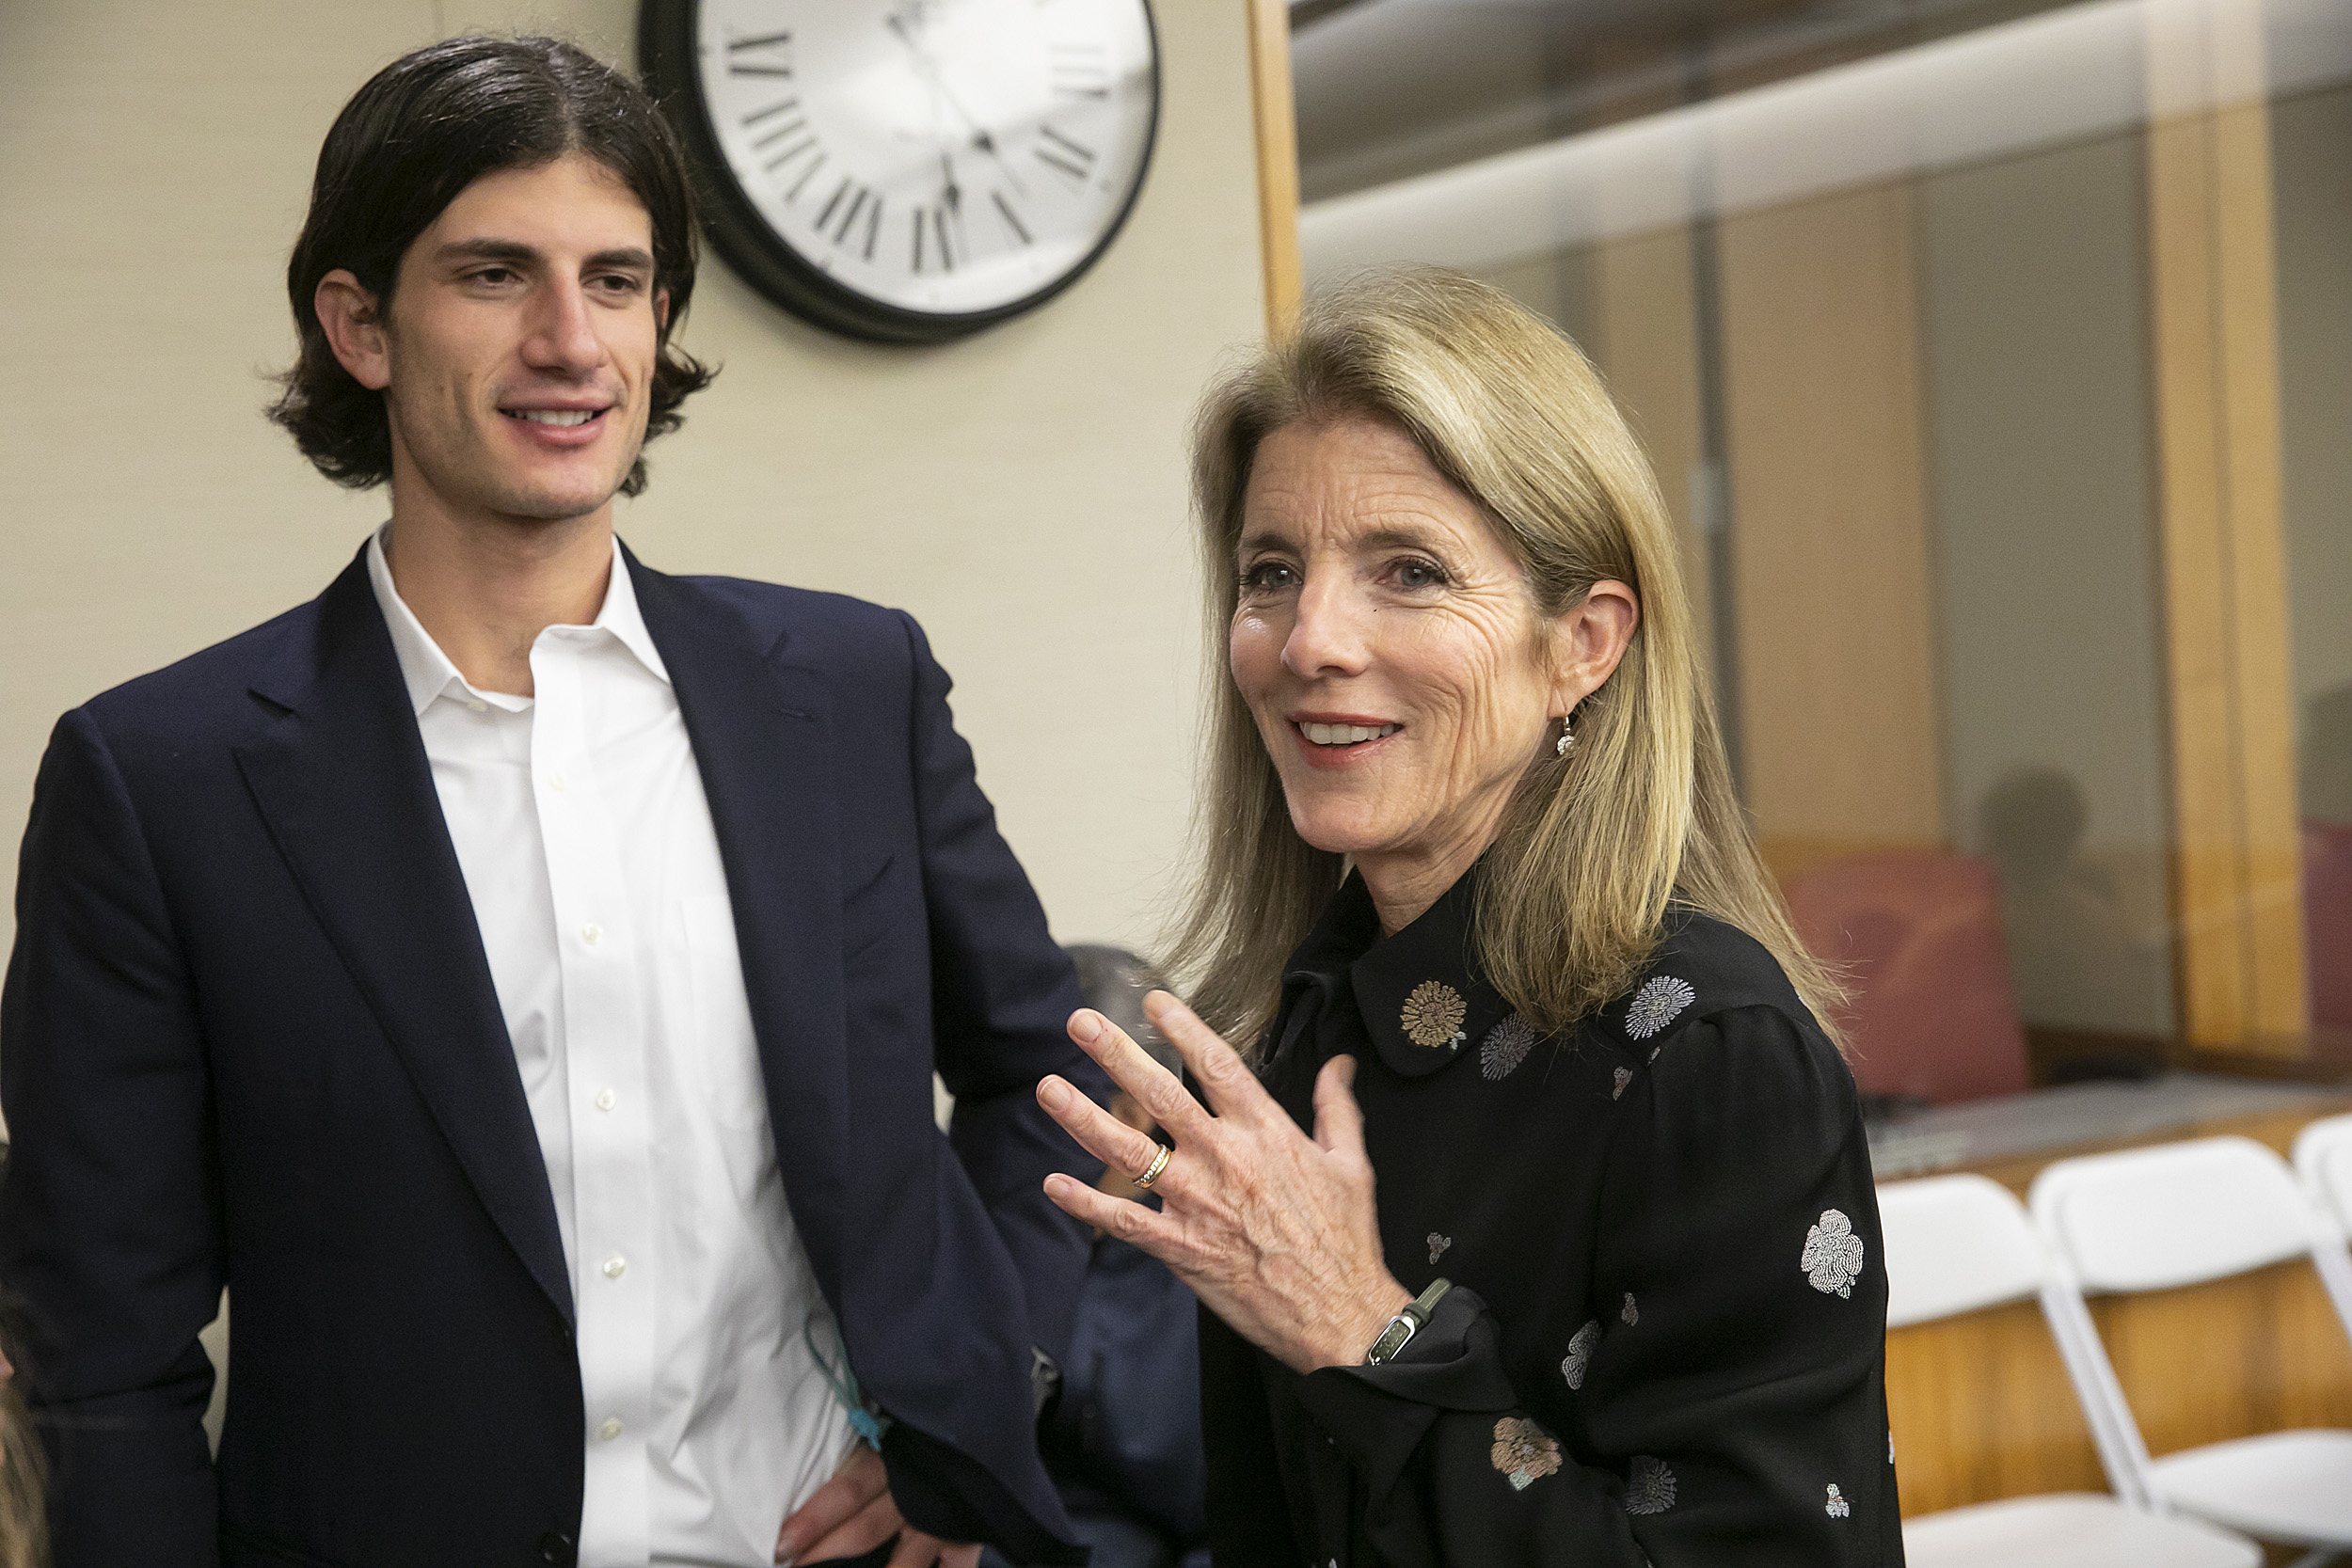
x=1053 y=1094
x=1084 y=1025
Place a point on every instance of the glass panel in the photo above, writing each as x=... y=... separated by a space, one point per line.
x=2311 y=150
x=2011 y=497
x=2034 y=301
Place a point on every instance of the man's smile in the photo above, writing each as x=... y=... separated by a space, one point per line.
x=558 y=424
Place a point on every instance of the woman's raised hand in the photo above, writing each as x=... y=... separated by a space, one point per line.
x=1277 y=1232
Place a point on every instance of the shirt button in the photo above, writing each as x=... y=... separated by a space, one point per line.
x=477 y=705
x=610 y=1429
x=605 y=1100
x=592 y=934
x=614 y=1267
x=555 y=782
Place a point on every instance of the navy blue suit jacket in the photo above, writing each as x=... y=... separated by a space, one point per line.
x=249 y=1037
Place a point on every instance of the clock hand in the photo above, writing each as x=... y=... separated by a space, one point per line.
x=982 y=140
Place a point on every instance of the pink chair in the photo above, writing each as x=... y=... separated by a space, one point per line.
x=2328 y=922
x=1918 y=935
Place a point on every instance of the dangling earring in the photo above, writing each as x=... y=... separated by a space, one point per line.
x=1567 y=740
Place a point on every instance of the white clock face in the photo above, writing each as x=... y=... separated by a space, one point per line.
x=941 y=156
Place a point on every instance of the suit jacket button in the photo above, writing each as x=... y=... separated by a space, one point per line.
x=556 y=1548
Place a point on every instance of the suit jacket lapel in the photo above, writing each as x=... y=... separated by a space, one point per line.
x=761 y=730
x=342 y=781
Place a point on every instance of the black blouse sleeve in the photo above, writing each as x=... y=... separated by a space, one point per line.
x=1725 y=1374
x=1450 y=1470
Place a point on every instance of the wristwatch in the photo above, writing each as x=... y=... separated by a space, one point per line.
x=1406 y=1323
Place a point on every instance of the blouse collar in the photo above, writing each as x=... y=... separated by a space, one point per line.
x=1421 y=993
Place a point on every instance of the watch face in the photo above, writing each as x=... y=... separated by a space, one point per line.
x=910 y=168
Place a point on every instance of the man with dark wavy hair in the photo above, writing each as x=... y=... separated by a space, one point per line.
x=519 y=974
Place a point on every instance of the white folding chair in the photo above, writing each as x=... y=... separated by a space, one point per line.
x=1955 y=1244
x=2156 y=1219
x=2323 y=1157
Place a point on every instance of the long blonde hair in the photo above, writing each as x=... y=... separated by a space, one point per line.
x=1594 y=848
x=24 y=1471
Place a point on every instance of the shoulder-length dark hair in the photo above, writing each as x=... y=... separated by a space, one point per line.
x=424 y=129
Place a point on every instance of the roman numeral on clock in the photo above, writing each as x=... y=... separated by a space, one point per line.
x=1063 y=155
x=1013 y=219
x=932 y=247
x=781 y=122
x=806 y=175
x=1077 y=71
x=766 y=54
x=849 y=201
x=864 y=203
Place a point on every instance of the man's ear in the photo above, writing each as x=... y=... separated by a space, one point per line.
x=662 y=311
x=349 y=316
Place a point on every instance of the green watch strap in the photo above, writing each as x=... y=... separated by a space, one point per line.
x=1406 y=1323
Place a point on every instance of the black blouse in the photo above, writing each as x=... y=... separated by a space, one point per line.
x=1665 y=1340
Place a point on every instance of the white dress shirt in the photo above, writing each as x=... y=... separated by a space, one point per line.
x=586 y=842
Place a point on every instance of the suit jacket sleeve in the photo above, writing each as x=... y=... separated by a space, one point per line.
x=110 y=1226
x=1002 y=993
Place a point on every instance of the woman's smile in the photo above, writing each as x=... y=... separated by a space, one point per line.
x=1341 y=740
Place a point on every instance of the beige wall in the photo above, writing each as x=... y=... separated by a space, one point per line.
x=1021 y=492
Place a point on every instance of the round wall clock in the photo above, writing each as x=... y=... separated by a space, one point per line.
x=909 y=170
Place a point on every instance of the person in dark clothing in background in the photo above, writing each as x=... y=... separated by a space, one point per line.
x=1123 y=1443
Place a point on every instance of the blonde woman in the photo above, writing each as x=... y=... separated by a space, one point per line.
x=1481 y=911
x=24 y=1463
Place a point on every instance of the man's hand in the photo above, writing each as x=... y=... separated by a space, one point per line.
x=852 y=1514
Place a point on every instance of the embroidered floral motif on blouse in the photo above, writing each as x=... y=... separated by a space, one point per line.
x=1580 y=1356
x=1432 y=1013
x=1657 y=1004
x=1836 y=1508
x=1623 y=1076
x=1650 y=1486
x=1833 y=1254
x=1507 y=1046
x=1523 y=1451
x=1630 y=1313
x=1437 y=1244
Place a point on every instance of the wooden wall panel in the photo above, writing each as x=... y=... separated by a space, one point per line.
x=1645 y=339
x=1830 y=543
x=1274 y=108
x=2213 y=286
x=2255 y=1354
x=1982 y=1408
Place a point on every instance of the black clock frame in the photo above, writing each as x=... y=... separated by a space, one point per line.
x=666 y=53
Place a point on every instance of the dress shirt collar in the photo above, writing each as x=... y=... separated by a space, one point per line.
x=428 y=671
x=1421 y=993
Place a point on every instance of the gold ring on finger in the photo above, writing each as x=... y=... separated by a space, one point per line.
x=1158 y=1166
